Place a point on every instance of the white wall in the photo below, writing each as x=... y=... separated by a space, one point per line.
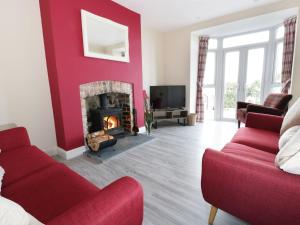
x=4 y=114
x=177 y=46
x=153 y=56
x=24 y=89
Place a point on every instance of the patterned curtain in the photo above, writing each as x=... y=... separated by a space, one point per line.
x=288 y=50
x=203 y=46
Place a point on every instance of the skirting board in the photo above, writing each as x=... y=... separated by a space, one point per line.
x=67 y=155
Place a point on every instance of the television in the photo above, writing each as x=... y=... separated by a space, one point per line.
x=167 y=97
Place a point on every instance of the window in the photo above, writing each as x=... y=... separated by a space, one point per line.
x=212 y=43
x=278 y=63
x=209 y=81
x=241 y=67
x=276 y=82
x=255 y=71
x=246 y=39
x=209 y=102
x=280 y=32
x=231 y=77
x=276 y=79
x=210 y=68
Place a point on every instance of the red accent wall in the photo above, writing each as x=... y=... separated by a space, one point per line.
x=68 y=68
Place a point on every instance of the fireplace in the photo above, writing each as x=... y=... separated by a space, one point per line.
x=107 y=106
x=108 y=119
x=111 y=122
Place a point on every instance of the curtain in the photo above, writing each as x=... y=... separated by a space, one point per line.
x=288 y=51
x=203 y=47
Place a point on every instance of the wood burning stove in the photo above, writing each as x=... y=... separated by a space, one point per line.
x=110 y=120
x=107 y=118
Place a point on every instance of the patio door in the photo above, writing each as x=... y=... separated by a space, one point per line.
x=243 y=77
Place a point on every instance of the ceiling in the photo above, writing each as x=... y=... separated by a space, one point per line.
x=167 y=15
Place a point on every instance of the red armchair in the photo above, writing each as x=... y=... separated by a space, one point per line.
x=243 y=180
x=275 y=104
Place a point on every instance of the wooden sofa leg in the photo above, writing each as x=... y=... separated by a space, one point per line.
x=212 y=215
x=239 y=124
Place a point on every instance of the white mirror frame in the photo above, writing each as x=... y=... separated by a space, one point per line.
x=84 y=15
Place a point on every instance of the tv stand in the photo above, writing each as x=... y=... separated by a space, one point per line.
x=170 y=114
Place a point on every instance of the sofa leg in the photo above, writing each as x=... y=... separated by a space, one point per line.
x=239 y=124
x=212 y=215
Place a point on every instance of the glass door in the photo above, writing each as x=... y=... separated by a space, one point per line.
x=243 y=78
x=231 y=83
x=254 y=75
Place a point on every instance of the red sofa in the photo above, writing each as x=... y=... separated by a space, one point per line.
x=56 y=195
x=243 y=180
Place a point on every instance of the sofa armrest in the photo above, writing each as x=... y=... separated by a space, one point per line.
x=242 y=105
x=264 y=121
x=120 y=203
x=14 y=138
x=264 y=110
x=254 y=191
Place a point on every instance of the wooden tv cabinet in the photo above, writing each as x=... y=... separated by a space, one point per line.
x=173 y=114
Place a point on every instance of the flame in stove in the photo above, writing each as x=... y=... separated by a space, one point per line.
x=110 y=122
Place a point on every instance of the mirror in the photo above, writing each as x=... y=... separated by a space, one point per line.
x=104 y=38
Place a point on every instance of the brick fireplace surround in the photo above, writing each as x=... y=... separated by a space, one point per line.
x=103 y=87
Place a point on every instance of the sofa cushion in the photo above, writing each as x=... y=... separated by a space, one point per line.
x=288 y=156
x=249 y=153
x=12 y=213
x=292 y=117
x=49 y=192
x=287 y=136
x=277 y=100
x=257 y=138
x=22 y=162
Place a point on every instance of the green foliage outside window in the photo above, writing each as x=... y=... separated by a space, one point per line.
x=230 y=95
x=253 y=93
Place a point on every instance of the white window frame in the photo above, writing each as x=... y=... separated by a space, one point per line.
x=214 y=83
x=246 y=33
x=268 y=71
x=277 y=42
x=215 y=75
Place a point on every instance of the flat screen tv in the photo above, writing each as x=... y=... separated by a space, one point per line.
x=167 y=97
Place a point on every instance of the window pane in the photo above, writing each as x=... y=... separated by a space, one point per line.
x=210 y=68
x=209 y=103
x=231 y=84
x=212 y=44
x=278 y=63
x=276 y=88
x=255 y=68
x=280 y=32
x=246 y=39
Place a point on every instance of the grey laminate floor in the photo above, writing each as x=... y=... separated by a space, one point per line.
x=169 y=168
